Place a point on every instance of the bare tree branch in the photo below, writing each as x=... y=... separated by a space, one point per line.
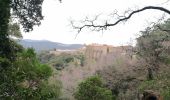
x=96 y=27
x=157 y=25
x=165 y=2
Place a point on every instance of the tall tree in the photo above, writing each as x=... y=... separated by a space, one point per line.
x=28 y=13
x=153 y=46
x=21 y=67
x=5 y=48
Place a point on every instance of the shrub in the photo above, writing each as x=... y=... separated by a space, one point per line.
x=161 y=85
x=92 y=89
x=27 y=78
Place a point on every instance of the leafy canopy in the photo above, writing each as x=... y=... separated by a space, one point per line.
x=92 y=89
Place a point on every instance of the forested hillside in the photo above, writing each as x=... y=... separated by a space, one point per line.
x=90 y=72
x=124 y=72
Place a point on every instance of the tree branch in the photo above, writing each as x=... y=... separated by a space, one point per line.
x=96 y=27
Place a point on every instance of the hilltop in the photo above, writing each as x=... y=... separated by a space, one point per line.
x=43 y=45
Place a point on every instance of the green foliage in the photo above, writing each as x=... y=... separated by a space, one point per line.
x=152 y=40
x=59 y=64
x=28 y=64
x=161 y=84
x=92 y=89
x=52 y=91
x=5 y=47
x=45 y=57
x=28 y=12
x=82 y=59
x=14 y=30
x=62 y=60
x=21 y=74
x=153 y=47
x=157 y=85
x=68 y=59
x=44 y=71
x=27 y=78
x=3 y=63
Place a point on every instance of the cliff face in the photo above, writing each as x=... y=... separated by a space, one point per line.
x=96 y=51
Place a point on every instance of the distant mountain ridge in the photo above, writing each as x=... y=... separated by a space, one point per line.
x=41 y=45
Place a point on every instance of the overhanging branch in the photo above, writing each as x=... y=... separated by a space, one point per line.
x=96 y=27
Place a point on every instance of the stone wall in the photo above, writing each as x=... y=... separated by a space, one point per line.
x=95 y=51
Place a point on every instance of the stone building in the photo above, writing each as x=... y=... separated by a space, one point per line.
x=95 y=51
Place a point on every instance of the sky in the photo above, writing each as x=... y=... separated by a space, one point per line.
x=56 y=24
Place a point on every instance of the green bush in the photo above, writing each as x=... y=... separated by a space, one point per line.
x=51 y=91
x=26 y=79
x=59 y=64
x=92 y=89
x=64 y=60
x=161 y=85
x=68 y=59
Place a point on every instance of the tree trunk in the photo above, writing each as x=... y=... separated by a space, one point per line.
x=5 y=48
x=150 y=74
